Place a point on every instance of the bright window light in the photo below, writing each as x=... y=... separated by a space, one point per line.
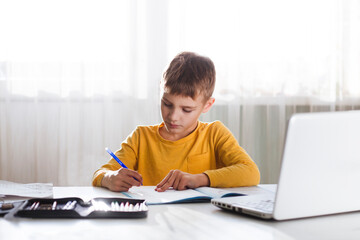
x=260 y=48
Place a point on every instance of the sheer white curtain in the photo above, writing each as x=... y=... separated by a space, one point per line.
x=77 y=76
x=273 y=59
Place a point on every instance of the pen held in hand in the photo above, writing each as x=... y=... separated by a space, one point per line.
x=118 y=160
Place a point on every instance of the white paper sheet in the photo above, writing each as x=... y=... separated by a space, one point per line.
x=33 y=190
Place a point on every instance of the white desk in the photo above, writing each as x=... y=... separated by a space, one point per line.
x=177 y=221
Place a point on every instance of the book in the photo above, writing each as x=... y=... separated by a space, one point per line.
x=202 y=194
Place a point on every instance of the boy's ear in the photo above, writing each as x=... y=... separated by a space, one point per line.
x=208 y=105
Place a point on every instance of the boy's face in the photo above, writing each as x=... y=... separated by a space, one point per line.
x=180 y=114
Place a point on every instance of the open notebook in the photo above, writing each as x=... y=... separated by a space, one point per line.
x=202 y=194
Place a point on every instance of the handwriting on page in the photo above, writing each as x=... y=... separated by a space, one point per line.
x=39 y=190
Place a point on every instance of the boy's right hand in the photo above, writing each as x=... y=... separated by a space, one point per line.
x=121 y=180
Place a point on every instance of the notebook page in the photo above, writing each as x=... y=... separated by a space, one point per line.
x=169 y=196
x=34 y=190
x=217 y=192
x=239 y=191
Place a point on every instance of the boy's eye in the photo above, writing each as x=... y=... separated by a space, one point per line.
x=187 y=111
x=166 y=104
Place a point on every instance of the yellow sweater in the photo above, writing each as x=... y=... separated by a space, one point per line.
x=210 y=149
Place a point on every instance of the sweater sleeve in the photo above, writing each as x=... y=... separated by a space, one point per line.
x=128 y=154
x=235 y=168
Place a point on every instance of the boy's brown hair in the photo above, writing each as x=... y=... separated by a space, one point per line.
x=190 y=74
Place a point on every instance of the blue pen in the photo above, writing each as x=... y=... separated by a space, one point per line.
x=117 y=159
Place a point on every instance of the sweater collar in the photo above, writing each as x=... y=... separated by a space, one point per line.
x=181 y=140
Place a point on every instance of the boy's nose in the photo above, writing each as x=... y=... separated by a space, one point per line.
x=173 y=115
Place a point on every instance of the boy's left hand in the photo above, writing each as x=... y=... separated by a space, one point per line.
x=179 y=180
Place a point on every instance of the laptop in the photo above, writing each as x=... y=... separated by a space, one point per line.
x=320 y=170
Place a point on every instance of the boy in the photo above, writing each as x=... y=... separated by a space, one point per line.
x=181 y=152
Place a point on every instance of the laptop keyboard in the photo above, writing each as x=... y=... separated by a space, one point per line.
x=263 y=205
